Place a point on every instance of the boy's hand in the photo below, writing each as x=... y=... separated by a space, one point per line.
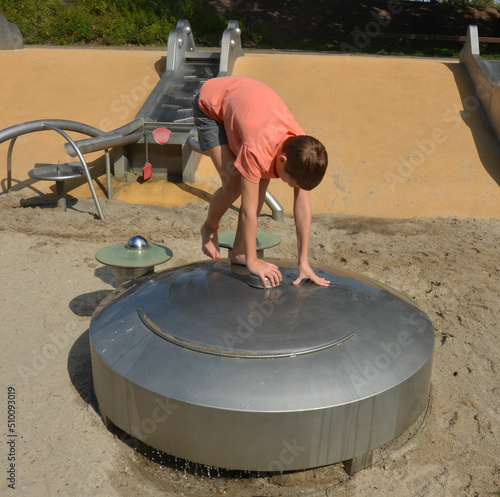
x=264 y=270
x=305 y=271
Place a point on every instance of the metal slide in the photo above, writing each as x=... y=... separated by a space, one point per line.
x=169 y=106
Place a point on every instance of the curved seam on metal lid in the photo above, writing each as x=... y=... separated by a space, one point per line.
x=146 y=320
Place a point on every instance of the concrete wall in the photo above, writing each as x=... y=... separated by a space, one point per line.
x=483 y=76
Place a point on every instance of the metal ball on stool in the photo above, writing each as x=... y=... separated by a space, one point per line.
x=134 y=259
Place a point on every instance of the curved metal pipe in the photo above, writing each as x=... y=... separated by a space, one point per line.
x=275 y=206
x=31 y=126
x=102 y=142
x=9 y=164
x=108 y=174
x=128 y=128
x=13 y=132
x=115 y=138
x=84 y=164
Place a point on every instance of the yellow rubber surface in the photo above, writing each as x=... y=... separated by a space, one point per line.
x=405 y=137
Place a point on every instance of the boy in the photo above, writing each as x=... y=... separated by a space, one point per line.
x=251 y=137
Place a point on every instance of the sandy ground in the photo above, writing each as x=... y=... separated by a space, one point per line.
x=399 y=150
x=51 y=284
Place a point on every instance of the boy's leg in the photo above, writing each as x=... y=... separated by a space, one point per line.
x=222 y=199
x=238 y=251
x=212 y=138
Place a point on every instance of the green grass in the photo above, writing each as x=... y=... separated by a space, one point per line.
x=109 y=22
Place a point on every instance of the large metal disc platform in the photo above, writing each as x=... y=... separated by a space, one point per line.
x=199 y=364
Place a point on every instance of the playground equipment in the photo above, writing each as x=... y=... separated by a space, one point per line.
x=161 y=140
x=169 y=106
x=134 y=259
x=265 y=240
x=53 y=171
x=201 y=363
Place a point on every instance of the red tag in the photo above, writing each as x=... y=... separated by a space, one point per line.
x=161 y=135
x=147 y=171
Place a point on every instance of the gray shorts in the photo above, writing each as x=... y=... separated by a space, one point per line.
x=210 y=132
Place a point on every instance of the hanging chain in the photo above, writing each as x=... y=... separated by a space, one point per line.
x=146 y=136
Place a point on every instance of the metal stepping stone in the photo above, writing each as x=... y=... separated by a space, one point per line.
x=265 y=240
x=134 y=259
x=58 y=173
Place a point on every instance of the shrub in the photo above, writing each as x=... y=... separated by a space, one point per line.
x=108 y=22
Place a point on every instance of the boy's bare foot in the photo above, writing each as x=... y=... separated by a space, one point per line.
x=238 y=259
x=210 y=243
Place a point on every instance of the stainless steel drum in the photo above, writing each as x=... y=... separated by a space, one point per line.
x=199 y=364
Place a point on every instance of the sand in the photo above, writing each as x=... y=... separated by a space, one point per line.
x=377 y=115
x=51 y=284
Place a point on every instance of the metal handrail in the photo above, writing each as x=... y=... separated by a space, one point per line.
x=180 y=41
x=109 y=139
x=231 y=48
x=84 y=164
x=30 y=126
x=13 y=132
x=9 y=163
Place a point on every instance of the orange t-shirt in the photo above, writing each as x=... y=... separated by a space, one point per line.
x=256 y=121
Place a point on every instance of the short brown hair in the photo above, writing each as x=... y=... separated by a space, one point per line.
x=306 y=160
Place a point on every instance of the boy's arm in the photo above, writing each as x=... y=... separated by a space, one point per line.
x=248 y=220
x=302 y=215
